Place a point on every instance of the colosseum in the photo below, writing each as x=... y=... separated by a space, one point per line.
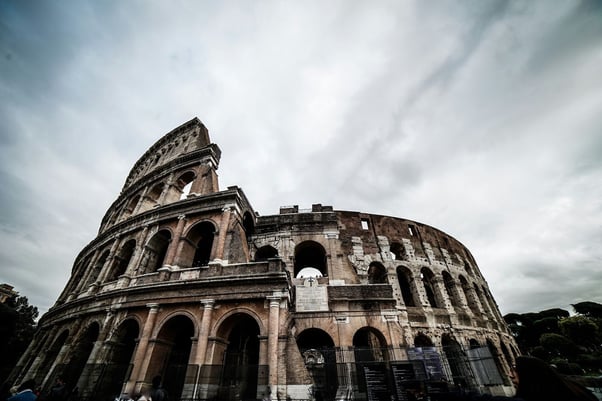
x=189 y=282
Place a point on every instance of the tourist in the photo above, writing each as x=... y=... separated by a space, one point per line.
x=25 y=392
x=157 y=392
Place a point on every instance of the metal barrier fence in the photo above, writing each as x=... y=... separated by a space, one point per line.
x=358 y=373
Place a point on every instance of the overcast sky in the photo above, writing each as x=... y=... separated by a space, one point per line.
x=480 y=118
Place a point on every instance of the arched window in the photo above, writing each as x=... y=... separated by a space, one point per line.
x=131 y=206
x=310 y=254
x=266 y=252
x=404 y=276
x=427 y=280
x=248 y=223
x=155 y=251
x=450 y=288
x=122 y=260
x=397 y=251
x=197 y=250
x=421 y=340
x=184 y=184
x=377 y=274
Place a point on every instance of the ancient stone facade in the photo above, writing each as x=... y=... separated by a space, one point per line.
x=190 y=283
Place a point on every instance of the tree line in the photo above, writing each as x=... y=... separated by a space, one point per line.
x=572 y=343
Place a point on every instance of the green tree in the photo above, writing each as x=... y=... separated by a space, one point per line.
x=581 y=330
x=16 y=331
x=558 y=345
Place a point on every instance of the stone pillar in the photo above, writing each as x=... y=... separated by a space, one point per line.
x=175 y=243
x=203 y=340
x=80 y=287
x=273 y=329
x=141 y=360
x=223 y=231
x=441 y=293
x=95 y=356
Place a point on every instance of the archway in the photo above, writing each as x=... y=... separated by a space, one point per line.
x=239 y=379
x=80 y=353
x=155 y=251
x=404 y=276
x=377 y=274
x=317 y=349
x=107 y=378
x=122 y=260
x=457 y=362
x=265 y=252
x=171 y=354
x=427 y=280
x=196 y=252
x=310 y=254
x=370 y=360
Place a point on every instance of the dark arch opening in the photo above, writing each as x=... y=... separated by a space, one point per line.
x=119 y=362
x=202 y=236
x=266 y=252
x=450 y=288
x=80 y=355
x=397 y=251
x=248 y=223
x=156 y=250
x=427 y=281
x=317 y=349
x=422 y=340
x=310 y=254
x=171 y=354
x=377 y=274
x=404 y=278
x=51 y=355
x=457 y=361
x=184 y=183
x=122 y=260
x=241 y=359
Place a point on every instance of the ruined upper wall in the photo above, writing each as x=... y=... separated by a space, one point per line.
x=186 y=138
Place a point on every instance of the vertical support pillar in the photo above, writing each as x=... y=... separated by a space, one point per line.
x=141 y=360
x=204 y=331
x=273 y=328
x=223 y=231
x=175 y=243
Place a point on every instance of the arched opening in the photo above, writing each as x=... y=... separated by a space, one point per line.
x=422 y=340
x=404 y=276
x=171 y=354
x=265 y=252
x=467 y=268
x=457 y=361
x=317 y=349
x=370 y=360
x=310 y=254
x=115 y=372
x=184 y=184
x=197 y=250
x=155 y=252
x=481 y=297
x=427 y=280
x=248 y=223
x=130 y=207
x=397 y=251
x=81 y=352
x=377 y=274
x=151 y=199
x=122 y=260
x=51 y=355
x=98 y=267
x=450 y=288
x=495 y=370
x=239 y=379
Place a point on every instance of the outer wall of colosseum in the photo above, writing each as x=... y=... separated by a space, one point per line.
x=187 y=281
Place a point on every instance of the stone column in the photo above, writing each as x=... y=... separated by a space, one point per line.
x=273 y=326
x=175 y=243
x=141 y=360
x=223 y=231
x=204 y=331
x=139 y=250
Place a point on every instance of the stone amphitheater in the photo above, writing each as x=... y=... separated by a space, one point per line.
x=189 y=282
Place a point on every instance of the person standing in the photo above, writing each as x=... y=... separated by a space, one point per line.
x=157 y=392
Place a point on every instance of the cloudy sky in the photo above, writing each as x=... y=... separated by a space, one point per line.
x=481 y=118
